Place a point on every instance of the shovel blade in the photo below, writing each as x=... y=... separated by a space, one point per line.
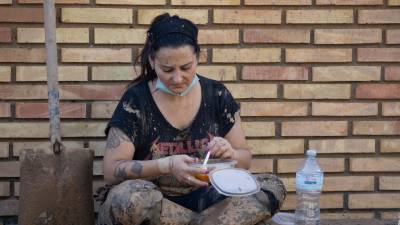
x=56 y=189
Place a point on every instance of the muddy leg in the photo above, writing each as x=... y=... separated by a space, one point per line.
x=130 y=203
x=174 y=214
x=247 y=210
x=236 y=210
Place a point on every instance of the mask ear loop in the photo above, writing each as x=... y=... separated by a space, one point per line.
x=154 y=89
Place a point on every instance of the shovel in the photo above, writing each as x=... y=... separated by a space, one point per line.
x=56 y=182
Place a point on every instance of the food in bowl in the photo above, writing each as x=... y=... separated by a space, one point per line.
x=213 y=164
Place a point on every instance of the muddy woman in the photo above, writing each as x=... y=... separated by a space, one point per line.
x=167 y=119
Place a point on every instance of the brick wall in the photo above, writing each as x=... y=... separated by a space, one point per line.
x=320 y=74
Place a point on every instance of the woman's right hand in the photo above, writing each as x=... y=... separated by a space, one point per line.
x=183 y=172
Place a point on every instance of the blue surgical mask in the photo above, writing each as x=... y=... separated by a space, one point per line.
x=161 y=86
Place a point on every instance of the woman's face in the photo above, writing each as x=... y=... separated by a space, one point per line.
x=175 y=67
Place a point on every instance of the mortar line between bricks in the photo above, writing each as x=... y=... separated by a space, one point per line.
x=384 y=38
x=13 y=111
x=14 y=41
x=380 y=110
x=347 y=165
x=10 y=150
x=275 y=165
x=377 y=215
x=376 y=183
x=13 y=74
x=13 y=188
x=378 y=146
x=88 y=110
x=346 y=201
x=238 y=75
x=383 y=73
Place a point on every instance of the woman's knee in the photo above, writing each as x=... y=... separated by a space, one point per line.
x=132 y=192
x=269 y=180
x=272 y=183
x=132 y=202
x=274 y=190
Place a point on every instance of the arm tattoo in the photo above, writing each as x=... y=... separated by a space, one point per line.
x=115 y=138
x=120 y=172
x=135 y=168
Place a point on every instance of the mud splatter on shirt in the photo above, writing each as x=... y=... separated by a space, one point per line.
x=128 y=107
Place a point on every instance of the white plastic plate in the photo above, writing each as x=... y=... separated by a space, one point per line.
x=234 y=182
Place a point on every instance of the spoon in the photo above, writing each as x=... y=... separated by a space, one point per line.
x=206 y=160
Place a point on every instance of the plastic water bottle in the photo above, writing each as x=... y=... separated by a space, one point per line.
x=309 y=180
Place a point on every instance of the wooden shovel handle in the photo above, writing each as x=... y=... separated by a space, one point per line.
x=52 y=73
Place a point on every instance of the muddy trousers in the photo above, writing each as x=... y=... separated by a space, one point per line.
x=138 y=202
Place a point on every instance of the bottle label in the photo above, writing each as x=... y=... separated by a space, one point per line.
x=311 y=182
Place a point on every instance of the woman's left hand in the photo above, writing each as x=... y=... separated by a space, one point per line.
x=221 y=148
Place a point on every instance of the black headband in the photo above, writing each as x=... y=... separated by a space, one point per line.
x=172 y=25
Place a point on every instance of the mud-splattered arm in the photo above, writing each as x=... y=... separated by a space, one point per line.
x=118 y=164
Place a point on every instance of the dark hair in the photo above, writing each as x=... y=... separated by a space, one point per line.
x=165 y=31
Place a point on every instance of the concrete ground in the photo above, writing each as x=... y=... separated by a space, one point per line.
x=347 y=222
x=13 y=221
